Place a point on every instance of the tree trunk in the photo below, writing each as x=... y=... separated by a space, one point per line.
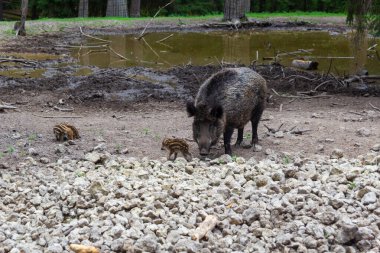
x=247 y=6
x=117 y=8
x=234 y=10
x=135 y=8
x=1 y=10
x=83 y=9
x=24 y=12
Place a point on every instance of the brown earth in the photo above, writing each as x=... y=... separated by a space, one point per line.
x=135 y=108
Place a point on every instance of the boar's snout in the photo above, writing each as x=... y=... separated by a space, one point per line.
x=204 y=151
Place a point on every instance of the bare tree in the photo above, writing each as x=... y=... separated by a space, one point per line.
x=20 y=26
x=135 y=8
x=234 y=9
x=83 y=8
x=117 y=8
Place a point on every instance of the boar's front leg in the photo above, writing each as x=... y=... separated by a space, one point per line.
x=255 y=118
x=227 y=140
x=239 y=137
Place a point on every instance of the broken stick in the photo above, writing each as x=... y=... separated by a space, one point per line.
x=207 y=225
x=77 y=248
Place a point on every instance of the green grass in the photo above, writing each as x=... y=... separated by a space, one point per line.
x=50 y=25
x=295 y=14
x=211 y=16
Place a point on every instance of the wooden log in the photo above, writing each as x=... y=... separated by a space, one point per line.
x=207 y=225
x=307 y=65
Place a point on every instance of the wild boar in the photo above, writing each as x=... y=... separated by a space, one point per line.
x=225 y=101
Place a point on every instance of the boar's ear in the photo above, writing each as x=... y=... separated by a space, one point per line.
x=190 y=107
x=217 y=112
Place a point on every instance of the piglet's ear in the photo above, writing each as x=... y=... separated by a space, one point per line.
x=217 y=112
x=190 y=107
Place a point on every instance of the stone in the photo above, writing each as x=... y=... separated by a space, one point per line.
x=363 y=132
x=261 y=180
x=279 y=134
x=376 y=147
x=94 y=157
x=336 y=153
x=250 y=215
x=147 y=243
x=187 y=245
x=346 y=233
x=44 y=160
x=54 y=248
x=33 y=152
x=369 y=198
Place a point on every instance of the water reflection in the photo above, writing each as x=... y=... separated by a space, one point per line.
x=234 y=47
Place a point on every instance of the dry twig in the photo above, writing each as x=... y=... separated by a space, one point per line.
x=167 y=37
x=57 y=117
x=207 y=225
x=142 y=34
x=77 y=248
x=63 y=109
x=300 y=97
x=92 y=37
x=374 y=107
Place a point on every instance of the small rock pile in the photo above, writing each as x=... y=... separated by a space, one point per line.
x=122 y=204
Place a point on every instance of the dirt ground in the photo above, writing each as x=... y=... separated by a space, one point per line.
x=135 y=108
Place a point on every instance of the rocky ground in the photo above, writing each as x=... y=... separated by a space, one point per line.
x=282 y=203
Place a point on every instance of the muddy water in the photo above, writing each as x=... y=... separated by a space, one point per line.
x=233 y=47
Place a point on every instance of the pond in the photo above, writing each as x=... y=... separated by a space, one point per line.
x=242 y=47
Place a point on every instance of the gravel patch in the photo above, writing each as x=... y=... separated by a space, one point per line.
x=125 y=204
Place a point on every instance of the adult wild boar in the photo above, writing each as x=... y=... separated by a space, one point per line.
x=225 y=101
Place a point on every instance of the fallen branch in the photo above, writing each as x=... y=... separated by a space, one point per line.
x=374 y=107
x=372 y=47
x=303 y=77
x=207 y=225
x=333 y=57
x=316 y=88
x=121 y=56
x=92 y=37
x=57 y=117
x=18 y=61
x=151 y=48
x=295 y=52
x=77 y=248
x=167 y=37
x=81 y=46
x=301 y=97
x=8 y=107
x=142 y=34
x=299 y=132
x=272 y=130
x=63 y=109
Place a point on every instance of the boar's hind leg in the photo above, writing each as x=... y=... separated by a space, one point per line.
x=227 y=140
x=255 y=118
x=239 y=137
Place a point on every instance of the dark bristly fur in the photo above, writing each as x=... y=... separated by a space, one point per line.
x=174 y=146
x=65 y=132
x=225 y=101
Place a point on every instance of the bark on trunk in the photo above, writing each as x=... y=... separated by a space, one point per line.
x=24 y=12
x=83 y=9
x=234 y=9
x=135 y=8
x=117 y=8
